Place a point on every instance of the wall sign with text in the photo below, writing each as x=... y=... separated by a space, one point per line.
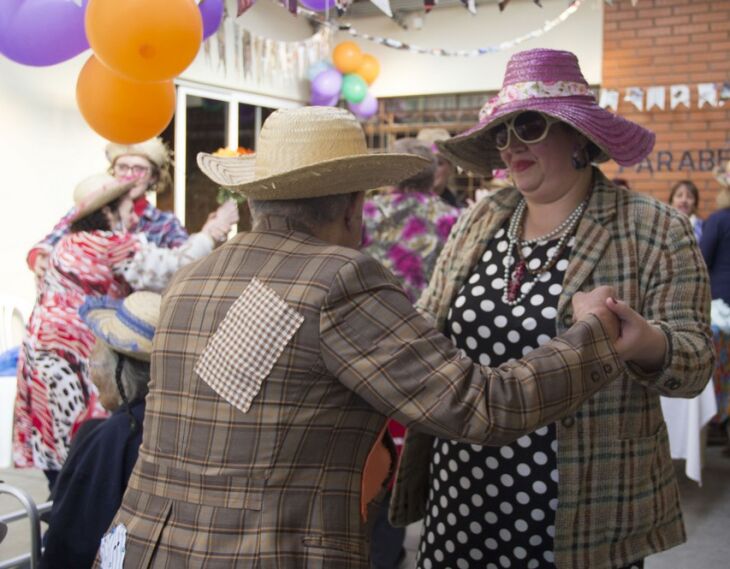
x=705 y=160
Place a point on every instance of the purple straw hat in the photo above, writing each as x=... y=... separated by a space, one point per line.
x=550 y=82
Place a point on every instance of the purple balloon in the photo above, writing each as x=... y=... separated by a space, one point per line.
x=320 y=101
x=42 y=32
x=318 y=5
x=365 y=108
x=212 y=12
x=327 y=84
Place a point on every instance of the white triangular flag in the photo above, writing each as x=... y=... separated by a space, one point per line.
x=679 y=95
x=384 y=6
x=609 y=99
x=655 y=97
x=707 y=95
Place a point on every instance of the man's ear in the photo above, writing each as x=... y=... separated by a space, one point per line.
x=354 y=209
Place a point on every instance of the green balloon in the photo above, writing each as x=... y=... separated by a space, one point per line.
x=354 y=88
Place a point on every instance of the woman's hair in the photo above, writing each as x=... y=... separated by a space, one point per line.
x=163 y=178
x=691 y=187
x=134 y=377
x=96 y=220
x=423 y=181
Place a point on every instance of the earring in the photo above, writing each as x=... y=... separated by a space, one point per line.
x=580 y=158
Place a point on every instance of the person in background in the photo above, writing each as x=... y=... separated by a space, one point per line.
x=406 y=227
x=444 y=167
x=685 y=197
x=92 y=482
x=405 y=230
x=148 y=166
x=597 y=488
x=99 y=256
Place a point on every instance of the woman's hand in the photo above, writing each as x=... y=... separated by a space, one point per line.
x=639 y=342
x=220 y=222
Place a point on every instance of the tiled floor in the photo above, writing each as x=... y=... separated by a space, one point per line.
x=706 y=510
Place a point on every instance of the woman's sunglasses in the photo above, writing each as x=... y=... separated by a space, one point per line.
x=529 y=127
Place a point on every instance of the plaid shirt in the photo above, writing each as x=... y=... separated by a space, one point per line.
x=618 y=499
x=280 y=484
x=161 y=228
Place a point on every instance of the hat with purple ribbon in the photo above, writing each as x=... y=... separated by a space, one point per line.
x=550 y=82
x=126 y=326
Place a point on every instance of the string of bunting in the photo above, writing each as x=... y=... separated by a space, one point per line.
x=397 y=44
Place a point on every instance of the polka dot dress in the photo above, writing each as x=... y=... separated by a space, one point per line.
x=492 y=507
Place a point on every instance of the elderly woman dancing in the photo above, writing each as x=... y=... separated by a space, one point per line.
x=596 y=489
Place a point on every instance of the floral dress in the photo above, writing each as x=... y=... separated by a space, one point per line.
x=406 y=231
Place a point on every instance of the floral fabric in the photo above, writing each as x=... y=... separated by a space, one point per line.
x=533 y=90
x=405 y=231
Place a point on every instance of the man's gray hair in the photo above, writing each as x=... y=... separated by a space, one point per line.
x=312 y=212
x=423 y=181
x=135 y=374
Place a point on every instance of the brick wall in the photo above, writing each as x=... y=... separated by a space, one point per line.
x=663 y=43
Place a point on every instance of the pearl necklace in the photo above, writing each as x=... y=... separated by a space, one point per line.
x=515 y=290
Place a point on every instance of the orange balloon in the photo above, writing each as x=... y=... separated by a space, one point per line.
x=347 y=57
x=369 y=68
x=121 y=110
x=145 y=40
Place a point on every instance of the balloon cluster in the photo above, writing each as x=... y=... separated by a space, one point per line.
x=125 y=90
x=353 y=71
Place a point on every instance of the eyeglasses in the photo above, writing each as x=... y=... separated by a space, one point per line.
x=136 y=169
x=529 y=127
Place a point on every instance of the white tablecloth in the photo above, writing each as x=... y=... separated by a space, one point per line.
x=685 y=419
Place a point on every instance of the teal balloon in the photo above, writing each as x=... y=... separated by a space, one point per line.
x=354 y=88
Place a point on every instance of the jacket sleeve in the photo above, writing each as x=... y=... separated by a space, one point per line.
x=47 y=244
x=378 y=346
x=152 y=267
x=677 y=299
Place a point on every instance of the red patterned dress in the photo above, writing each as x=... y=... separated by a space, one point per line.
x=53 y=379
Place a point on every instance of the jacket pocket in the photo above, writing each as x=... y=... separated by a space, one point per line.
x=643 y=491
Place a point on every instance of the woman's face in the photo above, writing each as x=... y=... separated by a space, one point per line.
x=126 y=214
x=684 y=201
x=543 y=171
x=131 y=168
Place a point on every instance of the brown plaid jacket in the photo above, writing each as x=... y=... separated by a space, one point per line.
x=618 y=500
x=279 y=486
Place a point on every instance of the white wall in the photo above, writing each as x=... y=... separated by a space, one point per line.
x=404 y=73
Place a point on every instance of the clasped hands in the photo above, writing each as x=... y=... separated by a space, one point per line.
x=219 y=222
x=635 y=340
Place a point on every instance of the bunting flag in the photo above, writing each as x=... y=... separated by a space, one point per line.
x=342 y=6
x=470 y=5
x=243 y=5
x=428 y=5
x=384 y=6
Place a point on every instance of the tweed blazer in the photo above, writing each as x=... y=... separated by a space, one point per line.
x=618 y=499
x=279 y=485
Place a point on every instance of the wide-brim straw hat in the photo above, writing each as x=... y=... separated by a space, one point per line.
x=126 y=326
x=548 y=81
x=155 y=150
x=96 y=191
x=309 y=152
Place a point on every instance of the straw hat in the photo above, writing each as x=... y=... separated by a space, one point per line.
x=126 y=326
x=96 y=191
x=433 y=135
x=307 y=153
x=155 y=150
x=550 y=82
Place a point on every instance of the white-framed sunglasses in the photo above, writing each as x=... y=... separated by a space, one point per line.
x=529 y=127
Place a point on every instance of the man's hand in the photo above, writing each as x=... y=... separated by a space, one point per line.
x=639 y=342
x=594 y=302
x=220 y=222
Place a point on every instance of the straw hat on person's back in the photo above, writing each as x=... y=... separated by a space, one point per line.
x=97 y=191
x=307 y=153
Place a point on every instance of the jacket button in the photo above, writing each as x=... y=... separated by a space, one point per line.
x=568 y=421
x=608 y=368
x=672 y=383
x=595 y=377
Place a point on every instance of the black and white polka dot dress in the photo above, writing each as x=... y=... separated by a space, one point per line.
x=492 y=507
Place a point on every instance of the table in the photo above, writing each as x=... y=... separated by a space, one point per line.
x=685 y=420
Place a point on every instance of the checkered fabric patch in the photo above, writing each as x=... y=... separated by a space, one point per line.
x=247 y=344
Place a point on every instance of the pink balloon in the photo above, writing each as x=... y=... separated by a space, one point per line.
x=365 y=108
